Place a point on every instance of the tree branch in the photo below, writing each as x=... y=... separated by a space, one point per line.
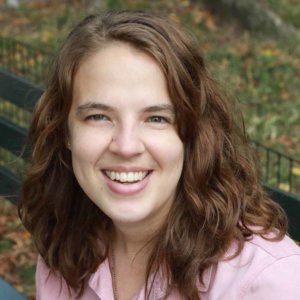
x=251 y=14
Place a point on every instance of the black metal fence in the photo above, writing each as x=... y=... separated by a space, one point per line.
x=278 y=169
x=24 y=60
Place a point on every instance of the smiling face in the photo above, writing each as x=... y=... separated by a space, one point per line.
x=126 y=153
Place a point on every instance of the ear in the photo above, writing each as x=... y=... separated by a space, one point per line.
x=68 y=144
x=66 y=138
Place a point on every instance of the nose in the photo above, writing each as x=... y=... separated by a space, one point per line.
x=126 y=141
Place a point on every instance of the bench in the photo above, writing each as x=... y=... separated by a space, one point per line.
x=23 y=95
x=7 y=292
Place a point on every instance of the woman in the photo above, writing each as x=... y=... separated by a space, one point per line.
x=142 y=185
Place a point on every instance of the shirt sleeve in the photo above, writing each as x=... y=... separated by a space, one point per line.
x=280 y=281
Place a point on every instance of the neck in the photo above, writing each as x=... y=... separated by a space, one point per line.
x=131 y=246
x=133 y=241
x=129 y=254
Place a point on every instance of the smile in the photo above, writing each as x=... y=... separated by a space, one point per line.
x=126 y=176
x=127 y=182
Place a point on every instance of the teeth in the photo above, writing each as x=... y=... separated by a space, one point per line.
x=126 y=176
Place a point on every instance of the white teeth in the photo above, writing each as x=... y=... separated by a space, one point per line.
x=126 y=176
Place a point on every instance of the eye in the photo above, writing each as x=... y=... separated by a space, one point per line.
x=97 y=117
x=158 y=119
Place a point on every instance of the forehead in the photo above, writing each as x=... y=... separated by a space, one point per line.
x=120 y=72
x=116 y=57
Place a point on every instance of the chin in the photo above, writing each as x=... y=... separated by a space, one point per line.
x=130 y=217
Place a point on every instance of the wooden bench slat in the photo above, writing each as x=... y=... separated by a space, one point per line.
x=10 y=185
x=19 y=91
x=12 y=137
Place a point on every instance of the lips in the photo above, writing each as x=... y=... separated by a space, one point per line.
x=126 y=182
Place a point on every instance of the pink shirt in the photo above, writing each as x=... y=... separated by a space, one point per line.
x=264 y=270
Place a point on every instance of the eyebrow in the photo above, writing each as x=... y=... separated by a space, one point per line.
x=100 y=106
x=158 y=108
x=91 y=106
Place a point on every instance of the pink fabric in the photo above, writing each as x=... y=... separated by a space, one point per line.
x=264 y=270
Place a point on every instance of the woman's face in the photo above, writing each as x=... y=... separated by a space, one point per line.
x=126 y=153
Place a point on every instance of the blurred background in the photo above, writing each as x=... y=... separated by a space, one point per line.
x=251 y=46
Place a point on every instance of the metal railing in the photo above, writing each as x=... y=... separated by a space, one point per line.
x=278 y=169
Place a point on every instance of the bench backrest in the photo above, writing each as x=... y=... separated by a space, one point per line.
x=17 y=93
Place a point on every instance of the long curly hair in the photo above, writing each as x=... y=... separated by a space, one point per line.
x=219 y=197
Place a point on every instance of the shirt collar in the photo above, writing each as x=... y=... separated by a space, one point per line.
x=160 y=284
x=207 y=276
x=101 y=282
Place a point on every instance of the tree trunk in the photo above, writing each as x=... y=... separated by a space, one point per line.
x=252 y=15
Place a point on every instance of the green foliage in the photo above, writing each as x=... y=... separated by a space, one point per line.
x=289 y=10
x=27 y=275
x=5 y=244
x=114 y=4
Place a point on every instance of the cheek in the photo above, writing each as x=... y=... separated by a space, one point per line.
x=168 y=151
x=84 y=150
x=85 y=155
x=87 y=145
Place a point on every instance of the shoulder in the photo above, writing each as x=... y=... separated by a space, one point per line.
x=50 y=285
x=44 y=280
x=263 y=270
x=261 y=251
x=264 y=253
x=275 y=249
x=276 y=267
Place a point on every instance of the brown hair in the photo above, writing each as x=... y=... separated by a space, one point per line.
x=219 y=197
